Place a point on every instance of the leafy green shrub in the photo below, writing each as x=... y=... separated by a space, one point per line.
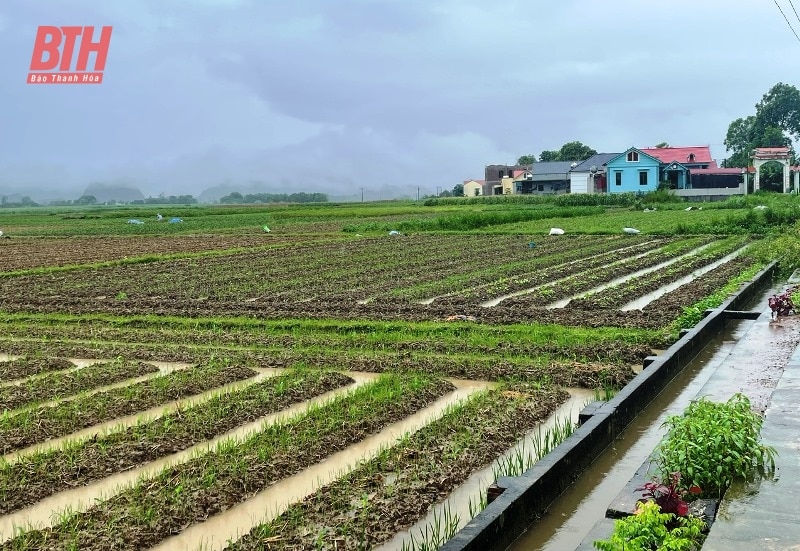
x=713 y=443
x=651 y=530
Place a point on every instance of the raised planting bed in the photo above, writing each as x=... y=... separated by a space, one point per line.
x=619 y=295
x=37 y=476
x=59 y=385
x=589 y=276
x=24 y=367
x=184 y=494
x=286 y=340
x=31 y=253
x=551 y=257
x=391 y=492
x=37 y=425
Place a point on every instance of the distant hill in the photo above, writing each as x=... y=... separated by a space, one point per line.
x=105 y=193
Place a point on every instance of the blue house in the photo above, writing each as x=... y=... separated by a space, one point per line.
x=633 y=171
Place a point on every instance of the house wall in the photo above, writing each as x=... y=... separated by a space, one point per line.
x=471 y=189
x=492 y=173
x=579 y=182
x=630 y=174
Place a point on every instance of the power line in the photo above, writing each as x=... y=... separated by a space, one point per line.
x=794 y=10
x=787 y=20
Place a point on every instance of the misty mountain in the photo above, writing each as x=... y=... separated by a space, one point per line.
x=105 y=193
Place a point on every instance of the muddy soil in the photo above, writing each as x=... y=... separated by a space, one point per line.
x=51 y=387
x=34 y=478
x=22 y=368
x=31 y=252
x=403 y=483
x=190 y=492
x=44 y=423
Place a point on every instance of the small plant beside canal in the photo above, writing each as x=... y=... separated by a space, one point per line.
x=713 y=443
x=706 y=448
x=650 y=529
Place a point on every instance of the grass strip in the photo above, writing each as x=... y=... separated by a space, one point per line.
x=78 y=463
x=59 y=385
x=188 y=493
x=592 y=345
x=37 y=425
x=24 y=367
x=394 y=490
x=288 y=332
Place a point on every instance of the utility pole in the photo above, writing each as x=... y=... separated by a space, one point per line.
x=362 y=194
x=417 y=193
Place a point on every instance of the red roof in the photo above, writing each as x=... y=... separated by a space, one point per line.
x=702 y=154
x=516 y=173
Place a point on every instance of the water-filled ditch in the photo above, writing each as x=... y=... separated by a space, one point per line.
x=574 y=514
x=570 y=519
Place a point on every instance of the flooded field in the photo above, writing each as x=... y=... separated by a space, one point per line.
x=337 y=392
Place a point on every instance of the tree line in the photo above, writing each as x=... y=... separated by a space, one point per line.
x=237 y=198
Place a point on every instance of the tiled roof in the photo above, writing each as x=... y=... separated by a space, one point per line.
x=702 y=154
x=597 y=160
x=552 y=167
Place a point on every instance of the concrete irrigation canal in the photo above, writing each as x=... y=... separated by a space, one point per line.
x=736 y=348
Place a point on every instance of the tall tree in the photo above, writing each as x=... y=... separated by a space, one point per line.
x=526 y=160
x=575 y=151
x=662 y=145
x=570 y=151
x=780 y=108
x=775 y=124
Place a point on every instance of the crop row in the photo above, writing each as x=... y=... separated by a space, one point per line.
x=542 y=256
x=37 y=476
x=27 y=253
x=190 y=492
x=588 y=277
x=556 y=276
x=22 y=368
x=702 y=287
x=617 y=367
x=59 y=385
x=493 y=281
x=371 y=266
x=36 y=425
x=619 y=295
x=404 y=480
x=374 y=338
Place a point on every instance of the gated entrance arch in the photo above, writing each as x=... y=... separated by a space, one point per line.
x=782 y=155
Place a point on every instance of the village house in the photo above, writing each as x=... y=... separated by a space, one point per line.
x=537 y=178
x=640 y=170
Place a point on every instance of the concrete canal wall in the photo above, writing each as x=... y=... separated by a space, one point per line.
x=526 y=498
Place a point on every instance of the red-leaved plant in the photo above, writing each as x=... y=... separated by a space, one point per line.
x=669 y=496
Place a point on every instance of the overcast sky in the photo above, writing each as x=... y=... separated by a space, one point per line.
x=335 y=95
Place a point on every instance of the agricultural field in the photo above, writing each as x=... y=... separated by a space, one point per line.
x=327 y=384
